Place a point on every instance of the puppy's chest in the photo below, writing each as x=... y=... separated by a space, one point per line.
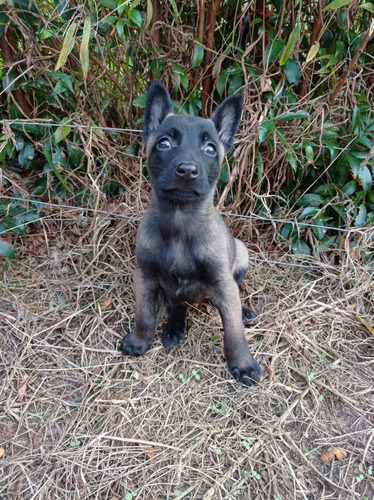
x=182 y=273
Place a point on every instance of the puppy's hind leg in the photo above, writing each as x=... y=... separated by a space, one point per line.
x=240 y=267
x=175 y=328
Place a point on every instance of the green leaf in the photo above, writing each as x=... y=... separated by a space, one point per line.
x=156 y=67
x=354 y=163
x=58 y=157
x=221 y=83
x=14 y=225
x=292 y=40
x=197 y=56
x=3 y=22
x=355 y=117
x=292 y=72
x=136 y=17
x=349 y=188
x=109 y=20
x=309 y=153
x=265 y=129
x=337 y=4
x=73 y=444
x=67 y=46
x=365 y=178
x=310 y=199
x=62 y=8
x=62 y=132
x=313 y=51
x=289 y=115
x=340 y=211
x=299 y=247
x=368 y=6
x=19 y=142
x=175 y=10
x=140 y=100
x=111 y=4
x=119 y=28
x=7 y=251
x=273 y=50
x=84 y=52
x=361 y=216
x=309 y=212
x=223 y=176
x=55 y=171
x=44 y=34
x=332 y=146
x=319 y=231
x=260 y=166
x=326 y=243
x=292 y=160
x=26 y=217
x=26 y=154
x=64 y=83
x=235 y=82
x=287 y=230
x=149 y=13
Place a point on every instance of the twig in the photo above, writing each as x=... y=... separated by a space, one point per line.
x=352 y=65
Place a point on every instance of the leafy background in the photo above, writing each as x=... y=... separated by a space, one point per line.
x=305 y=149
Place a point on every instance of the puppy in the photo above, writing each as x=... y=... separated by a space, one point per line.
x=184 y=251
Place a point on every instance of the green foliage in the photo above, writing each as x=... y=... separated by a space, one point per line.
x=93 y=65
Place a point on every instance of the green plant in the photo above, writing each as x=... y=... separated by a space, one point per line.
x=305 y=71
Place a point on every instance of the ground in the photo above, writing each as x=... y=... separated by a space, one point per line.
x=79 y=421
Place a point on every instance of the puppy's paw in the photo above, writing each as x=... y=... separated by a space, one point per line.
x=172 y=335
x=248 y=375
x=132 y=346
x=248 y=316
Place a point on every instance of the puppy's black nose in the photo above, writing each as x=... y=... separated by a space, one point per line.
x=187 y=171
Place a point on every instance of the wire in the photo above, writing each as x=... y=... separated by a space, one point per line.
x=240 y=216
x=104 y=212
x=97 y=127
x=293 y=264
x=293 y=222
x=113 y=216
x=72 y=125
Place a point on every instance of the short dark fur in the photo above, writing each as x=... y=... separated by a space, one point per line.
x=184 y=251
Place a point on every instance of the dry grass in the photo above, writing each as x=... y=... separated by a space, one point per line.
x=137 y=427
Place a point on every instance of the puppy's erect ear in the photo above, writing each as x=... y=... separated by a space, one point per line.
x=158 y=105
x=226 y=119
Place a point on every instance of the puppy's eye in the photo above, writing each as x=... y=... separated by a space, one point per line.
x=210 y=149
x=164 y=143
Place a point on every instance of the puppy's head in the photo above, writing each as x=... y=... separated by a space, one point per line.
x=184 y=152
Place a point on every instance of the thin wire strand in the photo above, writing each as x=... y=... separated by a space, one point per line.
x=113 y=216
x=293 y=264
x=72 y=125
x=240 y=216
x=104 y=212
x=108 y=129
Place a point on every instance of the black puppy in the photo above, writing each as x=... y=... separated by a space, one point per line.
x=184 y=251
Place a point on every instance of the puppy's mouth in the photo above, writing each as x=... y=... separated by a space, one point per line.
x=179 y=194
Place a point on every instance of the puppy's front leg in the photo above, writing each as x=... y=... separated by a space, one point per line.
x=139 y=340
x=242 y=364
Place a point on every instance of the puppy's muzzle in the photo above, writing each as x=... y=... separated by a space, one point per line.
x=187 y=171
